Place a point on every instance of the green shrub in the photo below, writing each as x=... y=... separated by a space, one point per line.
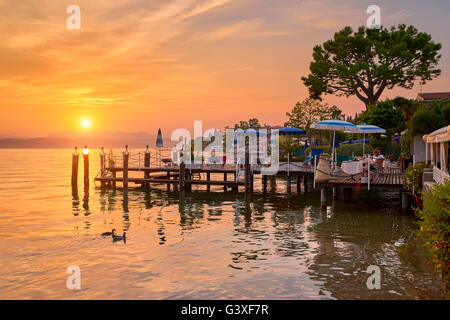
x=413 y=177
x=434 y=228
x=345 y=149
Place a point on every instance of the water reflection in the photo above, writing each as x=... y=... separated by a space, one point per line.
x=291 y=235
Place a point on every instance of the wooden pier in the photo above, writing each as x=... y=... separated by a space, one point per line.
x=235 y=176
x=344 y=185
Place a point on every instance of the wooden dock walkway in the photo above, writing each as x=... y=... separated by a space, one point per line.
x=387 y=177
x=182 y=177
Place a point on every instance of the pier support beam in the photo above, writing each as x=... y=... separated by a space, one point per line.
x=305 y=182
x=298 y=183
x=125 y=169
x=182 y=176
x=247 y=171
x=208 y=178
x=225 y=178
x=102 y=167
x=323 y=197
x=146 y=165
x=288 y=184
x=264 y=183
x=403 y=200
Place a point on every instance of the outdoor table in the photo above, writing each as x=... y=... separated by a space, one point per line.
x=352 y=167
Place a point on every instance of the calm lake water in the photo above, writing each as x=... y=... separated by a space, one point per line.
x=208 y=246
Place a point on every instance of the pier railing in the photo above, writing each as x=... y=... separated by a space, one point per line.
x=440 y=176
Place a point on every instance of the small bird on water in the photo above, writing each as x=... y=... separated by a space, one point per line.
x=107 y=234
x=119 y=238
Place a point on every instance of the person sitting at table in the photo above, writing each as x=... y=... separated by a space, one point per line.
x=376 y=154
x=375 y=158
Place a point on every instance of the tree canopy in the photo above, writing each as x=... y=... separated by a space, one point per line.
x=309 y=111
x=385 y=115
x=252 y=123
x=431 y=117
x=368 y=61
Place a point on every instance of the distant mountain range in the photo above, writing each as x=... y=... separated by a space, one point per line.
x=95 y=139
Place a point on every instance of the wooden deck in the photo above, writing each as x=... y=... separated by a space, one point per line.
x=388 y=177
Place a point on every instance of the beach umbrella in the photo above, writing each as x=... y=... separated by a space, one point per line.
x=335 y=142
x=368 y=128
x=291 y=131
x=335 y=125
x=159 y=140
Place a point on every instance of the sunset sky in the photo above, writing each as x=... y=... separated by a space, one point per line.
x=137 y=65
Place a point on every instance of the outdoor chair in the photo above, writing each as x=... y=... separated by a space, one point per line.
x=313 y=153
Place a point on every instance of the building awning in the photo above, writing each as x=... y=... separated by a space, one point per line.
x=440 y=135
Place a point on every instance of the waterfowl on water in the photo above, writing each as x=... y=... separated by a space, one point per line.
x=105 y=234
x=118 y=238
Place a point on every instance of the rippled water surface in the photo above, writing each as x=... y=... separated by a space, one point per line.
x=205 y=245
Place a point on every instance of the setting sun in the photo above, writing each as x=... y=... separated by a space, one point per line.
x=85 y=123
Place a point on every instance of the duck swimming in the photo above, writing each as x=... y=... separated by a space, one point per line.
x=119 y=238
x=104 y=234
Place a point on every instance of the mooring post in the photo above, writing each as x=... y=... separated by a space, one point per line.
x=86 y=168
x=225 y=178
x=182 y=176
x=75 y=158
x=264 y=182
x=125 y=168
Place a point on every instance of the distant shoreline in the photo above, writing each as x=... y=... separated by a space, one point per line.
x=67 y=143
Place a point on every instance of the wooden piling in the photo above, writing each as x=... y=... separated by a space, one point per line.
x=264 y=183
x=305 y=182
x=247 y=171
x=288 y=183
x=125 y=170
x=298 y=184
x=208 y=178
x=225 y=178
x=102 y=167
x=323 y=197
x=168 y=178
x=182 y=176
x=86 y=169
x=146 y=165
x=75 y=160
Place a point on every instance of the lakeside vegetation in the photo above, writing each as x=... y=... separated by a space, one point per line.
x=434 y=229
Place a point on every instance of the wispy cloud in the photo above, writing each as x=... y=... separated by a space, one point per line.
x=239 y=29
